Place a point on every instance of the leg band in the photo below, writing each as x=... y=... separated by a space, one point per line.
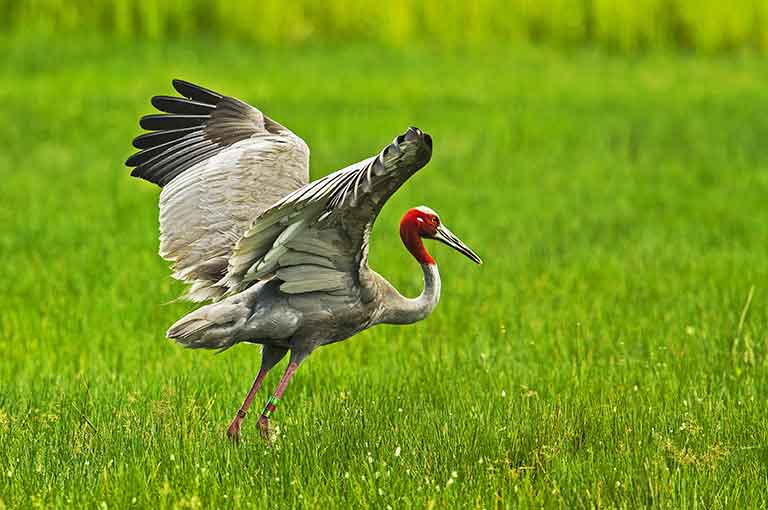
x=270 y=407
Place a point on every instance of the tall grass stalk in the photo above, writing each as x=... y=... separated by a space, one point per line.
x=702 y=25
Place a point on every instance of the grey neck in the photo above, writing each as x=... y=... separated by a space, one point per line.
x=407 y=311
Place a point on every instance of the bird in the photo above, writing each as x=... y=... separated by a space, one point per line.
x=272 y=258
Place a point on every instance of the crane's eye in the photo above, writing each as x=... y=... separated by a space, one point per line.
x=435 y=220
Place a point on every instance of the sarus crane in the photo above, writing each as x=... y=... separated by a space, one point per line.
x=283 y=261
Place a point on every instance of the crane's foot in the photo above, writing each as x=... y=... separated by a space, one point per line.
x=233 y=431
x=266 y=433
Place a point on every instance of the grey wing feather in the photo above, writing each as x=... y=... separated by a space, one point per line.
x=220 y=163
x=316 y=238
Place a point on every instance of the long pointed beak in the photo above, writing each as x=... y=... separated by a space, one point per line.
x=445 y=236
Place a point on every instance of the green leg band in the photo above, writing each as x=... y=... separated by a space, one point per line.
x=269 y=408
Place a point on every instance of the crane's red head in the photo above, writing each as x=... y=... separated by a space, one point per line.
x=422 y=222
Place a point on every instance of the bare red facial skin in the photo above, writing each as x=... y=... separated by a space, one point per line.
x=415 y=225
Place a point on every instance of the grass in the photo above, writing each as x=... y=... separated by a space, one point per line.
x=610 y=353
x=707 y=26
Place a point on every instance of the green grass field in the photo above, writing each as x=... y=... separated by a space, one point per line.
x=610 y=353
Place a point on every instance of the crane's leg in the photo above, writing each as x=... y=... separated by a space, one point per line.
x=269 y=408
x=270 y=356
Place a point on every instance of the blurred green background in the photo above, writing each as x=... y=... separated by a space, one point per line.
x=702 y=25
x=607 y=160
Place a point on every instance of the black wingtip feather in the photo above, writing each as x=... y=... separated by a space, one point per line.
x=155 y=138
x=182 y=106
x=133 y=160
x=158 y=122
x=147 y=154
x=177 y=140
x=196 y=92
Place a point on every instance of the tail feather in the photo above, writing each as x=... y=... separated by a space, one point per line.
x=185 y=328
x=235 y=319
x=210 y=327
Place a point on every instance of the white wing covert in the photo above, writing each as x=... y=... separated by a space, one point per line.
x=220 y=163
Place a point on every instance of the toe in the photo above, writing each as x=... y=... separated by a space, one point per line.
x=233 y=433
x=263 y=425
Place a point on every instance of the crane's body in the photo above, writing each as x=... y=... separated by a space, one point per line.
x=263 y=314
x=283 y=261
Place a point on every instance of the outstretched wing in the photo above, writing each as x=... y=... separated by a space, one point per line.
x=316 y=238
x=221 y=163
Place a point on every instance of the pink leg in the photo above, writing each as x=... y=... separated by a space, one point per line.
x=269 y=358
x=234 y=428
x=269 y=408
